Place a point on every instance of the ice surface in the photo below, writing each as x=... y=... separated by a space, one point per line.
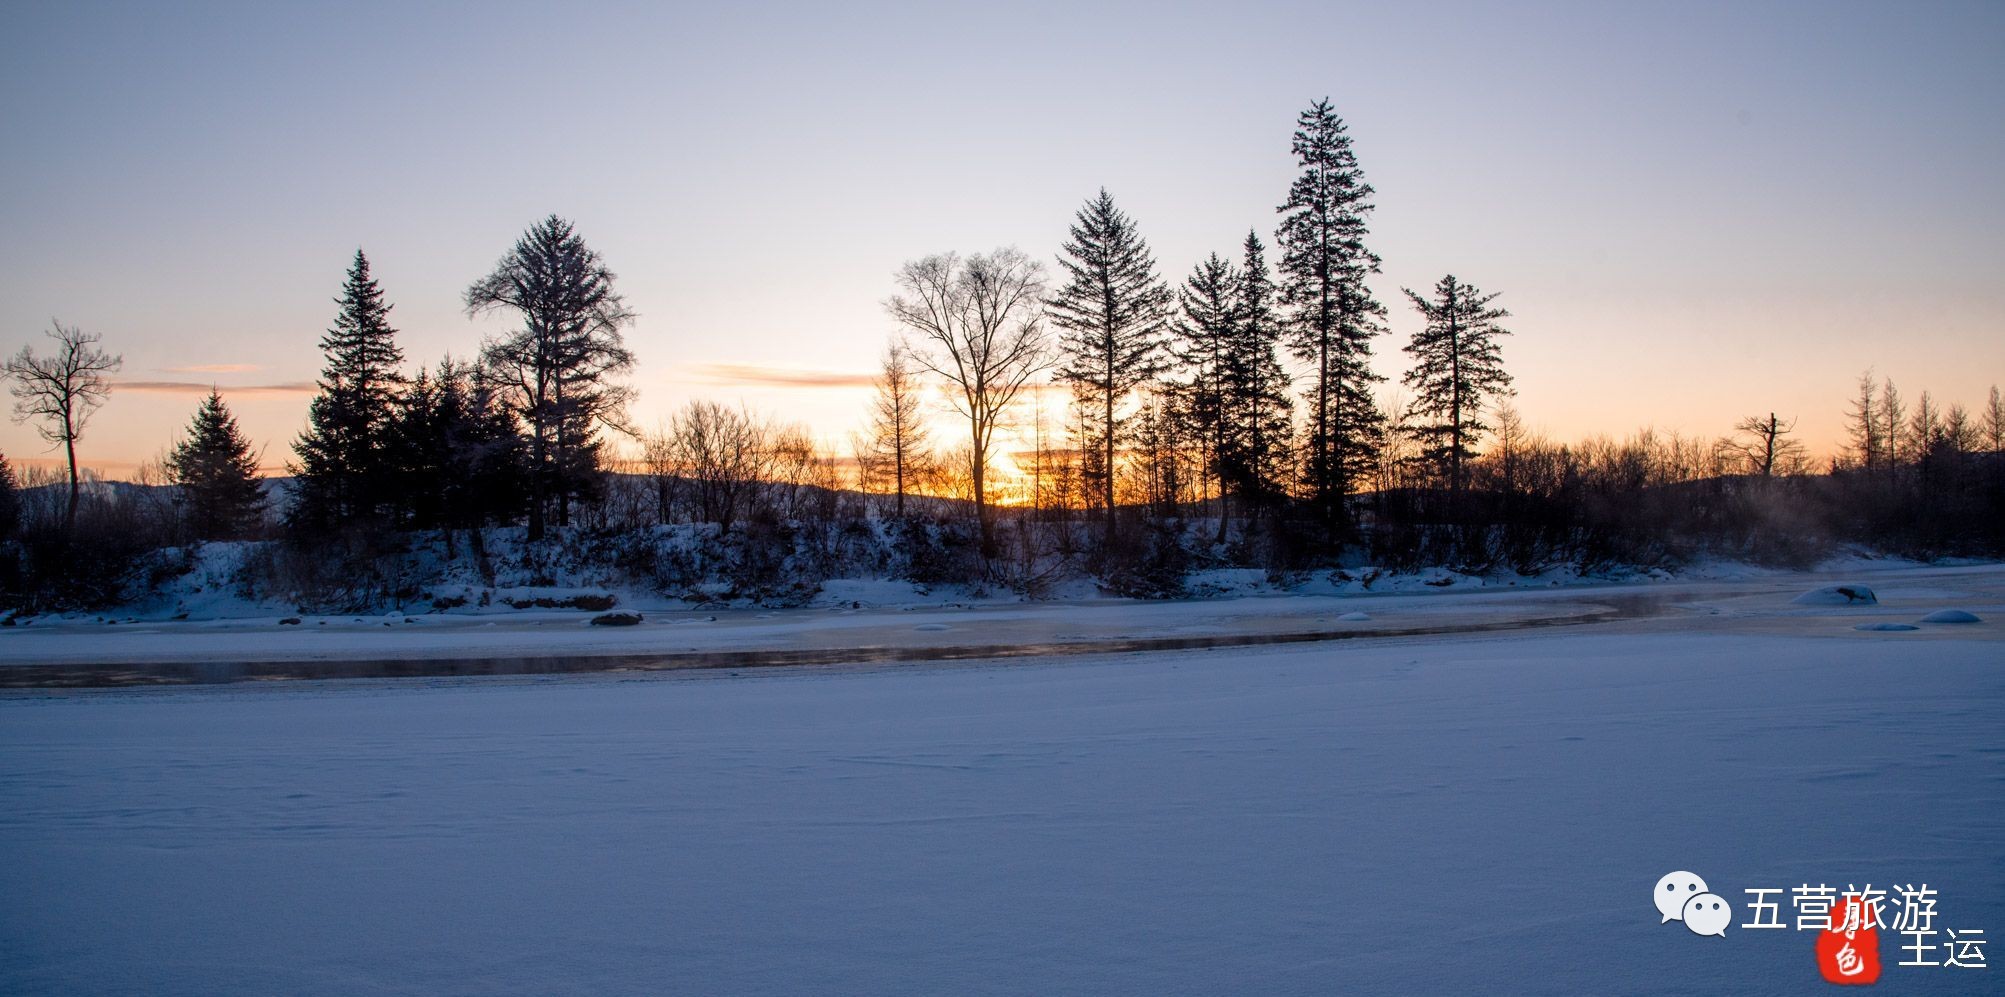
x=1437 y=815
x=1886 y=627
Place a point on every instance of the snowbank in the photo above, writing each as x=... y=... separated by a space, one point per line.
x=1951 y=616
x=1837 y=595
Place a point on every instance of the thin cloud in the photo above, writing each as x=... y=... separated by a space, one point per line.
x=780 y=377
x=203 y=388
x=213 y=368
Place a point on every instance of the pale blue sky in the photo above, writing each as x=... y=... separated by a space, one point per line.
x=1695 y=211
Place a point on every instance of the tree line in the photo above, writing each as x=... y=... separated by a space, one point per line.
x=1231 y=418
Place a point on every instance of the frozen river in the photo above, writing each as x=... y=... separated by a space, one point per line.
x=1453 y=813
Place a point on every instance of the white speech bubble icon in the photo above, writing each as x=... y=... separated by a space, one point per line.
x=1707 y=914
x=1673 y=890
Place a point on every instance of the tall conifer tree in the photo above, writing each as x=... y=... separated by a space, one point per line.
x=1261 y=414
x=1456 y=371
x=1113 y=314
x=563 y=370
x=345 y=467
x=1211 y=319
x=1332 y=314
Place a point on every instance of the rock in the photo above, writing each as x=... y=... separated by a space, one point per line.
x=290 y=621
x=1838 y=595
x=1951 y=616
x=1886 y=627
x=621 y=618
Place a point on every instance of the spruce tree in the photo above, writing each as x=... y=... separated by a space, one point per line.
x=1210 y=305
x=1332 y=314
x=222 y=497
x=1260 y=413
x=10 y=502
x=461 y=454
x=560 y=373
x=345 y=468
x=1456 y=371
x=1113 y=314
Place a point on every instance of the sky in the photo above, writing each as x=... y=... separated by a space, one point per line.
x=1695 y=212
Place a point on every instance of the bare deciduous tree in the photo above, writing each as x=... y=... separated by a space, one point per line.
x=61 y=391
x=1863 y=423
x=1760 y=445
x=657 y=463
x=1893 y=417
x=979 y=323
x=720 y=455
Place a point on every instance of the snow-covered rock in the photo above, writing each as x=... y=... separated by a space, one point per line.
x=1838 y=595
x=1951 y=616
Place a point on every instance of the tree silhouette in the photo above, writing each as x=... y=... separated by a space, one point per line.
x=978 y=327
x=1113 y=315
x=1332 y=314
x=897 y=438
x=221 y=492
x=1761 y=445
x=62 y=390
x=1210 y=303
x=345 y=468
x=560 y=368
x=1259 y=413
x=1456 y=371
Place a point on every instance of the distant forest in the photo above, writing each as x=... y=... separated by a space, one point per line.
x=1230 y=419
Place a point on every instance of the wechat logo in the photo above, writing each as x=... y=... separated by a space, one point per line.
x=1682 y=896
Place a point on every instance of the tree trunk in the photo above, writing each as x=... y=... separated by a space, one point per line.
x=1107 y=445
x=70 y=517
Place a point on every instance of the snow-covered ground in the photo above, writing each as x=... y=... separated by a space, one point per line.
x=1451 y=814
